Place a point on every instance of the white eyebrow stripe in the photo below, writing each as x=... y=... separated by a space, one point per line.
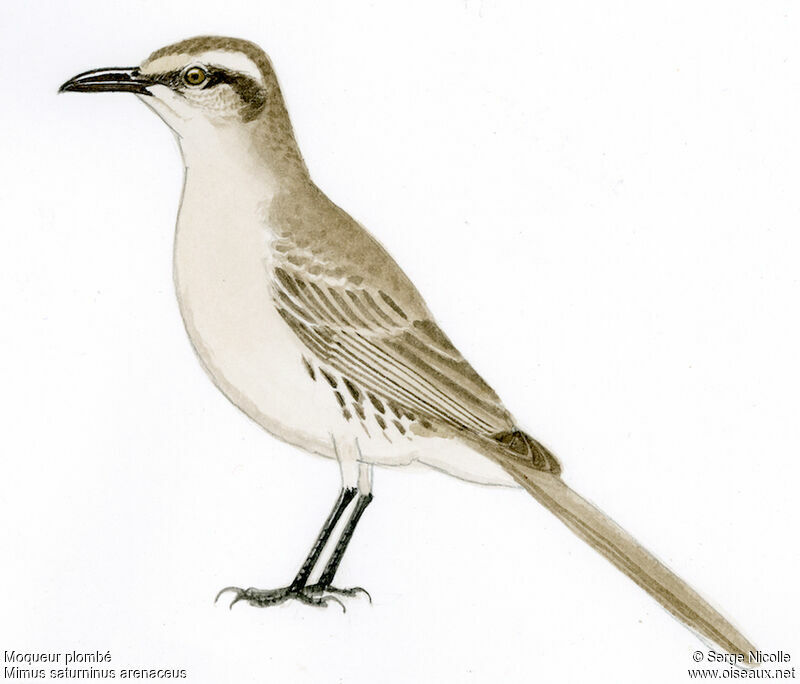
x=166 y=63
x=232 y=61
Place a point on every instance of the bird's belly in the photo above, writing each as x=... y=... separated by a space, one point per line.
x=222 y=284
x=222 y=276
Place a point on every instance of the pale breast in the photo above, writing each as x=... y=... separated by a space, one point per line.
x=224 y=273
x=221 y=270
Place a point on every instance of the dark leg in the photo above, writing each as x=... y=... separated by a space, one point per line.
x=341 y=546
x=319 y=593
x=345 y=497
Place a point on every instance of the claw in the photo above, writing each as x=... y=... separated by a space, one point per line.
x=350 y=591
x=363 y=591
x=222 y=591
x=335 y=600
x=311 y=595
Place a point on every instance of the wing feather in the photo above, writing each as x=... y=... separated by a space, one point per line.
x=406 y=361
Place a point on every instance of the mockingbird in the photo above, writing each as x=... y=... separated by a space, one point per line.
x=304 y=322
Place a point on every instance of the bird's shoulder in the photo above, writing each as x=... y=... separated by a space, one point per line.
x=316 y=237
x=357 y=313
x=340 y=291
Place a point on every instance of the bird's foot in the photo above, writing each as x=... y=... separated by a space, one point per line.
x=311 y=595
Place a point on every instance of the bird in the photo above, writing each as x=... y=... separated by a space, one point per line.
x=305 y=323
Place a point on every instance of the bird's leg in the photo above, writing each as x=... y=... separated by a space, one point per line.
x=345 y=497
x=356 y=479
x=363 y=500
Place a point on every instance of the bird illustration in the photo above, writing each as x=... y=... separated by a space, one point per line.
x=303 y=320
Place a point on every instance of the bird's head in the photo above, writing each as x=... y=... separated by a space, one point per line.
x=196 y=83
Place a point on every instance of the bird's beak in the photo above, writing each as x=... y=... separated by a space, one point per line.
x=113 y=80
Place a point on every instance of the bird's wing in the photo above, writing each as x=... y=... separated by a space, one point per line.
x=367 y=337
x=357 y=313
x=389 y=355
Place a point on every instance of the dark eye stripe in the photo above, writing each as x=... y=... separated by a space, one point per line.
x=253 y=96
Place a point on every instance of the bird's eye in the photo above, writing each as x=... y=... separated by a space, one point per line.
x=195 y=77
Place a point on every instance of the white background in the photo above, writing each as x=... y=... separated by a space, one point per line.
x=600 y=203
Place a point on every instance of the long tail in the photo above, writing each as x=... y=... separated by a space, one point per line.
x=604 y=535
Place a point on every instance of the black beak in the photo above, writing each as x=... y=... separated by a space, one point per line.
x=113 y=80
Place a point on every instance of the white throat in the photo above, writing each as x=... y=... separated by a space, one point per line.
x=226 y=197
x=222 y=270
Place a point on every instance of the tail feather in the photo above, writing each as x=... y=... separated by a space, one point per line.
x=619 y=547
